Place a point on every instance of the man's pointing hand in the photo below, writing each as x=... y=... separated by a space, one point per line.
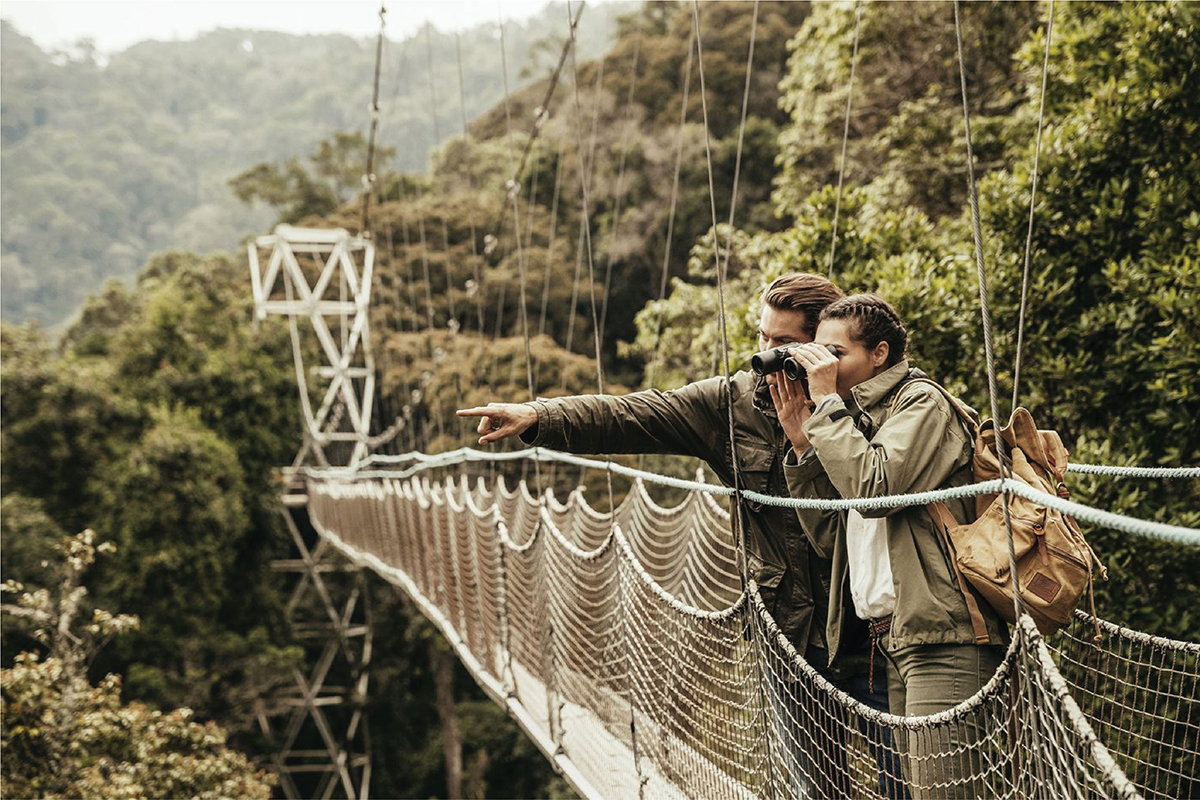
x=501 y=420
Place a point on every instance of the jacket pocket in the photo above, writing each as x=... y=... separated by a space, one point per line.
x=755 y=460
x=767 y=577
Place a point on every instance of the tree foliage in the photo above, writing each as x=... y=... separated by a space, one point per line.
x=157 y=420
x=64 y=737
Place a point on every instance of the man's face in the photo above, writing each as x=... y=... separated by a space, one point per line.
x=778 y=327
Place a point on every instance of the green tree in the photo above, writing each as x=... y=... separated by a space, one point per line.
x=61 y=418
x=905 y=128
x=295 y=190
x=63 y=737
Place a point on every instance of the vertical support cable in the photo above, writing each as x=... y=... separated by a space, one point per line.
x=369 y=177
x=584 y=170
x=620 y=190
x=662 y=285
x=462 y=111
x=837 y=206
x=985 y=312
x=724 y=341
x=736 y=515
x=1037 y=155
x=1001 y=447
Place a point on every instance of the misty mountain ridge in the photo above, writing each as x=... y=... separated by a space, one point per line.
x=107 y=159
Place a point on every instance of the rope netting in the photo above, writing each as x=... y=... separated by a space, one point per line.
x=626 y=647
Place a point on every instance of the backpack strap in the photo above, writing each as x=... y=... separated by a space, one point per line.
x=943 y=521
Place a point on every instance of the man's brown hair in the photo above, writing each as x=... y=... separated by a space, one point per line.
x=802 y=291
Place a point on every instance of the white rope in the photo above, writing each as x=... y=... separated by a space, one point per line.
x=1107 y=519
x=1140 y=637
x=1028 y=630
x=993 y=687
x=1113 y=470
x=1135 y=472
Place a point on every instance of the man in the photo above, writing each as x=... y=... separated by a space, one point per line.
x=793 y=580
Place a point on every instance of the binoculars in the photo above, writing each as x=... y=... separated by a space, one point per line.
x=780 y=358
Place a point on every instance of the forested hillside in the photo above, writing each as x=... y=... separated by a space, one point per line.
x=158 y=417
x=109 y=158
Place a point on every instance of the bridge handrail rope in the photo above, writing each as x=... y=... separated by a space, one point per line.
x=1096 y=516
x=340 y=514
x=333 y=485
x=1113 y=470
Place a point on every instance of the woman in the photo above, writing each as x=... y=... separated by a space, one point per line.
x=872 y=432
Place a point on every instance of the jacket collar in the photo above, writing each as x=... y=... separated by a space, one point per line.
x=762 y=397
x=868 y=393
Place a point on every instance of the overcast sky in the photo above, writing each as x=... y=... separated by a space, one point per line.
x=116 y=24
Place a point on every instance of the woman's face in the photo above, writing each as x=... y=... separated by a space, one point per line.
x=856 y=363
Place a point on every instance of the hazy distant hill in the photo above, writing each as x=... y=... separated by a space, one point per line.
x=105 y=161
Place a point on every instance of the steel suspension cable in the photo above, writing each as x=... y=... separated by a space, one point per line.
x=516 y=210
x=985 y=311
x=541 y=114
x=1037 y=154
x=736 y=517
x=369 y=176
x=585 y=206
x=416 y=394
x=462 y=111
x=584 y=170
x=837 y=205
x=620 y=190
x=553 y=231
x=981 y=274
x=662 y=284
x=585 y=201
x=379 y=409
x=452 y=322
x=583 y=219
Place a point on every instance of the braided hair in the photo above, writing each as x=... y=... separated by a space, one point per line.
x=873 y=321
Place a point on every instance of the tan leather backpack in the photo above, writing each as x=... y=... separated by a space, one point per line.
x=1054 y=560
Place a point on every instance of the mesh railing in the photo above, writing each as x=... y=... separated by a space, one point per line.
x=625 y=646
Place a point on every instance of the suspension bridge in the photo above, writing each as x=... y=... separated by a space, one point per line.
x=628 y=643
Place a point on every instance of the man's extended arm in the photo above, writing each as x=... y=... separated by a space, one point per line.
x=687 y=421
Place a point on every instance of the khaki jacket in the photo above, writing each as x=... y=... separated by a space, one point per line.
x=916 y=444
x=792 y=576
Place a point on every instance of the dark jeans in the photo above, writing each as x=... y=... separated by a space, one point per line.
x=814 y=734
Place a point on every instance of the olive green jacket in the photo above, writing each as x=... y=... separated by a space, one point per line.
x=914 y=442
x=793 y=579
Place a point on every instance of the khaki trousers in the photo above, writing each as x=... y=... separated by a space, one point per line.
x=942 y=761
